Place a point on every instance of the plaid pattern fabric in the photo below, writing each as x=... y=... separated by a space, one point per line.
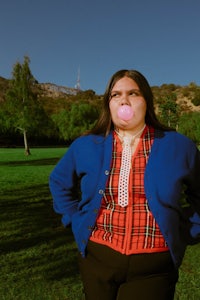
x=131 y=229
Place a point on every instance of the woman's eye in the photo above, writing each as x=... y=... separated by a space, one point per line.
x=114 y=95
x=117 y=95
x=134 y=93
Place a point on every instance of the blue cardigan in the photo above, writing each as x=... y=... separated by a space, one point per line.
x=173 y=170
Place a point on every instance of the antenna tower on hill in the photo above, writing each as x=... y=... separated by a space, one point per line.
x=78 y=86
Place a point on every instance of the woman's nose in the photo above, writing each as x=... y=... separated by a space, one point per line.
x=124 y=100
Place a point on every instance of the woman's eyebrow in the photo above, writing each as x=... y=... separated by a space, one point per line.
x=131 y=90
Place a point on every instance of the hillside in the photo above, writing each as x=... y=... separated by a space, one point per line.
x=187 y=97
x=50 y=92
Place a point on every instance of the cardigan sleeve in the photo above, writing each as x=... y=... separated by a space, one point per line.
x=193 y=194
x=193 y=180
x=63 y=183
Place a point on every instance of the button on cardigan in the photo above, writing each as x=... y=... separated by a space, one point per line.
x=131 y=229
x=174 y=161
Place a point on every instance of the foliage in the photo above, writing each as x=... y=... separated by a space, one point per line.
x=189 y=125
x=171 y=87
x=4 y=83
x=169 y=111
x=78 y=119
x=22 y=109
x=85 y=95
x=165 y=91
x=60 y=117
x=38 y=256
x=196 y=98
x=20 y=99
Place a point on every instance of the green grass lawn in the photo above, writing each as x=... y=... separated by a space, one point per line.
x=38 y=256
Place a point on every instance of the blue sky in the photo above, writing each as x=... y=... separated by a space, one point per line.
x=159 y=38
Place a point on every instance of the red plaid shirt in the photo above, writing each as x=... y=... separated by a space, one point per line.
x=131 y=229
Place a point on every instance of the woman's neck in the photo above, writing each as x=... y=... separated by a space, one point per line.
x=132 y=134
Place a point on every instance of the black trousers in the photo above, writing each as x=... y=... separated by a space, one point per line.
x=110 y=275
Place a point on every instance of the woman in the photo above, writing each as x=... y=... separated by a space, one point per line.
x=130 y=223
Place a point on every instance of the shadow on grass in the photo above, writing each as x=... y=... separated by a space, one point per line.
x=30 y=228
x=36 y=162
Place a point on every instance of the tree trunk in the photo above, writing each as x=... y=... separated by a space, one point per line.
x=27 y=150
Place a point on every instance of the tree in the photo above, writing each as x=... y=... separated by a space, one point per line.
x=189 y=125
x=21 y=101
x=169 y=111
x=72 y=123
x=196 y=97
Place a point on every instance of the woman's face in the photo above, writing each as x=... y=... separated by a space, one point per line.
x=126 y=92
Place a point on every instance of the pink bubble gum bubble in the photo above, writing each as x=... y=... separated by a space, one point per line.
x=125 y=112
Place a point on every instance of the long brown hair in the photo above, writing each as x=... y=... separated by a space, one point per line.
x=104 y=124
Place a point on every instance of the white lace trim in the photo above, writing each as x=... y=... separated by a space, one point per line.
x=124 y=172
x=125 y=167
